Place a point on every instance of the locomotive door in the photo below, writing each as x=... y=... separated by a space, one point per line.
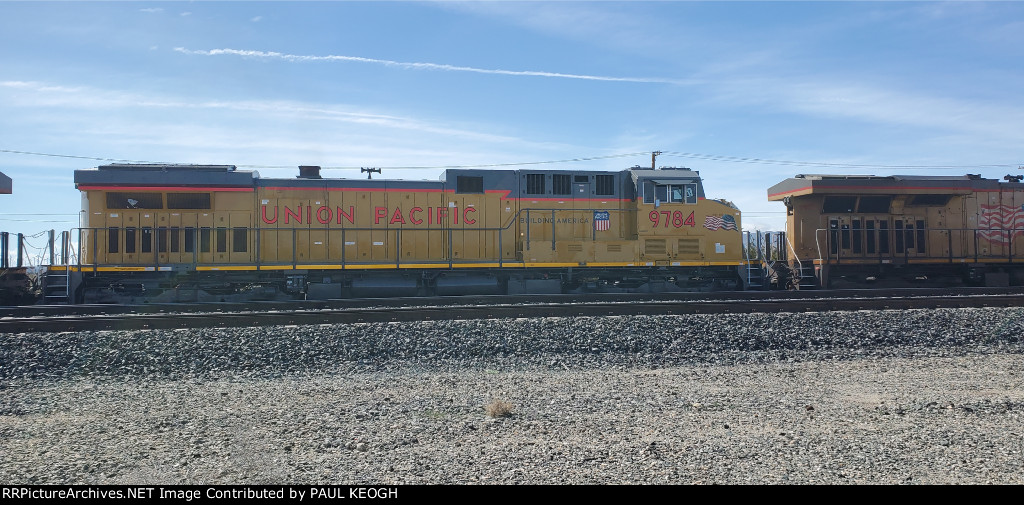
x=464 y=245
x=318 y=218
x=129 y=238
x=221 y=227
x=113 y=243
x=410 y=244
x=171 y=237
x=843 y=240
x=875 y=231
x=205 y=225
x=382 y=239
x=468 y=214
x=509 y=224
x=185 y=235
x=909 y=236
x=240 y=238
x=147 y=223
x=582 y=229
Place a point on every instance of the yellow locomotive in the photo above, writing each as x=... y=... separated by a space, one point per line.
x=213 y=232
x=904 y=230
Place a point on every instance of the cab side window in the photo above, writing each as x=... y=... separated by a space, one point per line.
x=676 y=193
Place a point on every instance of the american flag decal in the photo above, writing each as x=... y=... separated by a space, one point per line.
x=602 y=220
x=725 y=222
x=995 y=220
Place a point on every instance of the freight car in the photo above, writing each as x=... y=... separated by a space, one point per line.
x=17 y=283
x=214 y=232
x=866 y=230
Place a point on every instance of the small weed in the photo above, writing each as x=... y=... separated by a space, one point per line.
x=499 y=408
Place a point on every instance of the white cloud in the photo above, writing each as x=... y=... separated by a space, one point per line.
x=35 y=94
x=35 y=86
x=146 y=127
x=425 y=66
x=256 y=19
x=152 y=10
x=872 y=104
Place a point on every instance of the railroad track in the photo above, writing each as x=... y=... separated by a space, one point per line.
x=472 y=308
x=458 y=301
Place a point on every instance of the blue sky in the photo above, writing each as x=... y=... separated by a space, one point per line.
x=826 y=87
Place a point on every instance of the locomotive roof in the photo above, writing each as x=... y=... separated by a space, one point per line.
x=153 y=176
x=158 y=175
x=806 y=184
x=665 y=173
x=360 y=183
x=889 y=177
x=167 y=167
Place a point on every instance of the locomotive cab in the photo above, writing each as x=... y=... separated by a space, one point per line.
x=678 y=226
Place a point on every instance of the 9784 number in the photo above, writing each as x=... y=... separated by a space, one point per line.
x=674 y=217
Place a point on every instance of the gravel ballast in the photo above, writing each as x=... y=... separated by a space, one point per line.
x=918 y=396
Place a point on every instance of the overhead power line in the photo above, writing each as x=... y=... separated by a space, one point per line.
x=516 y=164
x=694 y=156
x=91 y=158
x=761 y=161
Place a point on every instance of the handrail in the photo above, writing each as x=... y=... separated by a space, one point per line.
x=513 y=220
x=971 y=250
x=799 y=264
x=757 y=246
x=817 y=242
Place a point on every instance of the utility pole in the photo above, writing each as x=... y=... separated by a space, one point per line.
x=653 y=156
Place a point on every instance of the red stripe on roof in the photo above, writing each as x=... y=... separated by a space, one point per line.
x=573 y=199
x=893 y=188
x=382 y=190
x=790 y=191
x=164 y=188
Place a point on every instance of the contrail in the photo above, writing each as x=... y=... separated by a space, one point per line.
x=425 y=66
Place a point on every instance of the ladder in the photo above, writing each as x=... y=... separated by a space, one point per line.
x=57 y=287
x=804 y=273
x=755 y=275
x=807 y=277
x=754 y=263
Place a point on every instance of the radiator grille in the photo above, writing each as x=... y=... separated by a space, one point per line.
x=655 y=246
x=689 y=246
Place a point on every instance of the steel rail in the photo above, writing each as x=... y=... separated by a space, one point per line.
x=143 y=321
x=457 y=301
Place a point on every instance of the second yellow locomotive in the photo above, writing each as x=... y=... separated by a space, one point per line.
x=861 y=230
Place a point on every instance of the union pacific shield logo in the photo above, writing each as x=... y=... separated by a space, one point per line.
x=602 y=220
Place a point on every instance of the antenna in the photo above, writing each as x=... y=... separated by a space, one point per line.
x=369 y=171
